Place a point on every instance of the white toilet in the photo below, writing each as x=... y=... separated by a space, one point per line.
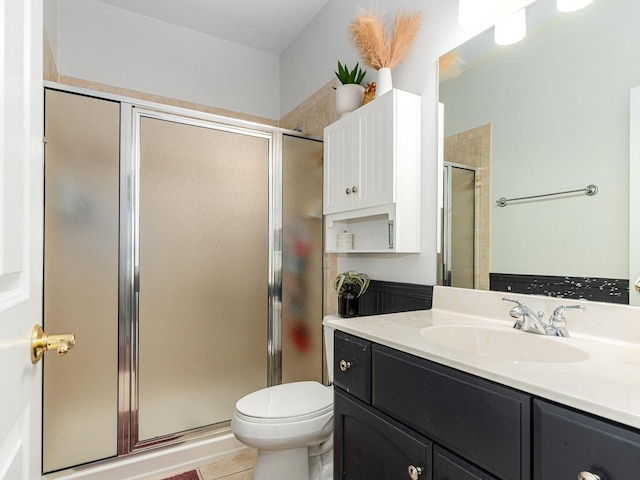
x=291 y=426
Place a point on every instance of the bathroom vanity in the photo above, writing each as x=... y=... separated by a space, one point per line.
x=408 y=407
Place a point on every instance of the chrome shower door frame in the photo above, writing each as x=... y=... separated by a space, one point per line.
x=128 y=413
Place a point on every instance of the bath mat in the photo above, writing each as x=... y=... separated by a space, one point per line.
x=192 y=475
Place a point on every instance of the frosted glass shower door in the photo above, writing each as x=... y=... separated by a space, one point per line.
x=81 y=278
x=302 y=353
x=203 y=274
x=461 y=242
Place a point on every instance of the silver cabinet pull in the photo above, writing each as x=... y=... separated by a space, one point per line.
x=414 y=472
x=348 y=191
x=354 y=189
x=588 y=476
x=344 y=365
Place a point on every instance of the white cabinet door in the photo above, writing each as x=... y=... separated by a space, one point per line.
x=359 y=158
x=21 y=182
x=376 y=160
x=340 y=166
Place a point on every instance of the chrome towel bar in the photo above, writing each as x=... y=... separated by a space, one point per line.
x=590 y=190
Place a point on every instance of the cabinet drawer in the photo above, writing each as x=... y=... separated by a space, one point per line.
x=483 y=422
x=352 y=365
x=447 y=466
x=370 y=446
x=566 y=443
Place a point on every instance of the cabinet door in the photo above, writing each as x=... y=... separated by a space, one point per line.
x=447 y=466
x=369 y=446
x=340 y=165
x=352 y=365
x=566 y=443
x=376 y=169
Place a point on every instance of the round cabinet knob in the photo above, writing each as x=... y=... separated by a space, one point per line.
x=354 y=189
x=348 y=191
x=414 y=472
x=588 y=476
x=344 y=365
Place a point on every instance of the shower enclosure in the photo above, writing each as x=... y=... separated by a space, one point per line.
x=459 y=236
x=185 y=252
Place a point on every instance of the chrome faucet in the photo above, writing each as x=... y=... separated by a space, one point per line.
x=526 y=319
x=557 y=323
x=529 y=321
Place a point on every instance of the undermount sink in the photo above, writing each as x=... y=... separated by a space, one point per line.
x=505 y=343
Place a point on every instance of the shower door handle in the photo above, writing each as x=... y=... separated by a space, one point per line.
x=41 y=342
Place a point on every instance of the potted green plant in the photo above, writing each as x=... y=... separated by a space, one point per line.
x=349 y=94
x=350 y=286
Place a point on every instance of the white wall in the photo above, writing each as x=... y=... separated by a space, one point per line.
x=51 y=25
x=310 y=62
x=106 y=44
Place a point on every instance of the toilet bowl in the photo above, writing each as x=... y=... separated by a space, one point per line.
x=291 y=427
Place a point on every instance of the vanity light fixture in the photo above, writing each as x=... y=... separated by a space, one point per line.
x=472 y=13
x=482 y=14
x=572 y=5
x=511 y=29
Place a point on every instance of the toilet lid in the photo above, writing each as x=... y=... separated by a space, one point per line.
x=298 y=399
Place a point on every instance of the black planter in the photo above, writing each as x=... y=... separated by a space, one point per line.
x=348 y=302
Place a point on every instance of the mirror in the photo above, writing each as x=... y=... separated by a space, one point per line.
x=548 y=114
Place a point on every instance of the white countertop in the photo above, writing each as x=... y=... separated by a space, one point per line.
x=607 y=383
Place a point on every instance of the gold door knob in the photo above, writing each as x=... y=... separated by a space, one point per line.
x=40 y=343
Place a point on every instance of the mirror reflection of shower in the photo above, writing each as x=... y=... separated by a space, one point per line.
x=469 y=215
x=459 y=245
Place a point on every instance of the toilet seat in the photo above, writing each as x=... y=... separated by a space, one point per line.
x=286 y=403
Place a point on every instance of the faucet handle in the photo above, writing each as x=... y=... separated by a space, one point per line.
x=512 y=300
x=559 y=311
x=516 y=312
x=557 y=321
x=521 y=309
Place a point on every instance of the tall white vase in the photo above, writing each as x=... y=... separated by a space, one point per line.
x=348 y=98
x=384 y=83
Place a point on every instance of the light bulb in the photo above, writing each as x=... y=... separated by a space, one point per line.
x=472 y=13
x=511 y=29
x=572 y=5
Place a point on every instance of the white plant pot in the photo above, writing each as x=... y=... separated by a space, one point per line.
x=348 y=98
x=384 y=83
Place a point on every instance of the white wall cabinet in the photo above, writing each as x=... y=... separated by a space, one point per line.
x=372 y=176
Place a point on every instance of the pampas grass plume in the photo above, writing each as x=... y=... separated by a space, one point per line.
x=405 y=29
x=367 y=34
x=450 y=65
x=378 y=49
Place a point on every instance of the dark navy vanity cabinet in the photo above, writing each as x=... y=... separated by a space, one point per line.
x=566 y=441
x=398 y=416
x=373 y=445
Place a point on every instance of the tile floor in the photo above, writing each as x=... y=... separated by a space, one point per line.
x=238 y=466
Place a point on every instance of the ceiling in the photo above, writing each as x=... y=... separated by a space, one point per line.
x=269 y=26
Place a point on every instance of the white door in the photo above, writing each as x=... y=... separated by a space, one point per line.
x=21 y=128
